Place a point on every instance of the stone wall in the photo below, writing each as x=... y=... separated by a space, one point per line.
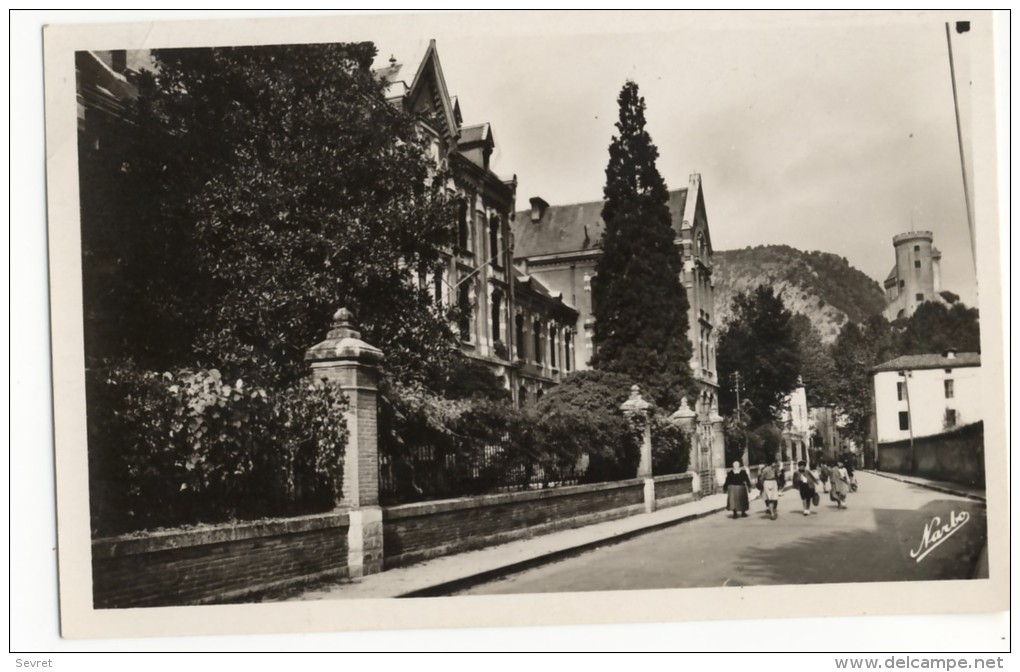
x=415 y=532
x=957 y=456
x=217 y=564
x=673 y=489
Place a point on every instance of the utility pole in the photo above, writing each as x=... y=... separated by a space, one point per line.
x=736 y=384
x=910 y=421
x=959 y=140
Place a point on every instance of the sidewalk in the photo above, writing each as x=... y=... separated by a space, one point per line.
x=968 y=491
x=443 y=575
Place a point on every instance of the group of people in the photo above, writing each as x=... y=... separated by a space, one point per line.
x=835 y=477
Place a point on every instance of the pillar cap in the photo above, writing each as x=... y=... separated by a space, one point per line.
x=684 y=414
x=635 y=404
x=343 y=342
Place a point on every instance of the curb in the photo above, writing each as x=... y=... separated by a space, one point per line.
x=446 y=587
x=930 y=486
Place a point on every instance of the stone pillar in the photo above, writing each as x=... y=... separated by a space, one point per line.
x=636 y=409
x=718 y=449
x=343 y=359
x=684 y=418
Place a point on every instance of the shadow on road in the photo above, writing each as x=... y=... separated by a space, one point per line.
x=880 y=554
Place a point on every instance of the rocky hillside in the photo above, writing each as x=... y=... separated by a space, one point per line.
x=823 y=286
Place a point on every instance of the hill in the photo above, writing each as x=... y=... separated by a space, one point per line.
x=820 y=285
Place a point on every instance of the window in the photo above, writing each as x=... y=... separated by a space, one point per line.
x=917 y=248
x=949 y=388
x=950 y=417
x=917 y=263
x=904 y=421
x=919 y=297
x=522 y=396
x=497 y=306
x=437 y=285
x=463 y=233
x=552 y=346
x=519 y=335
x=903 y=283
x=538 y=341
x=568 y=340
x=900 y=391
x=494 y=251
x=464 y=303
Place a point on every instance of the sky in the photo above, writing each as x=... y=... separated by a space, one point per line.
x=830 y=135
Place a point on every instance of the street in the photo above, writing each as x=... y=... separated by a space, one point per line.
x=879 y=537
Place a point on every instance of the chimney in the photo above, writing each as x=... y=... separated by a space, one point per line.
x=538 y=208
x=118 y=60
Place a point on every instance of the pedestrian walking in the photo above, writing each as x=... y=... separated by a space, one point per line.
x=840 y=485
x=768 y=483
x=807 y=484
x=737 y=487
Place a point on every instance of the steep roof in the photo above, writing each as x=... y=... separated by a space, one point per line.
x=930 y=361
x=575 y=227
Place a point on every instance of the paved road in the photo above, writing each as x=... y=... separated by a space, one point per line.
x=871 y=540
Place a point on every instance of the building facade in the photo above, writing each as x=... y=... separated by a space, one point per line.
x=795 y=420
x=922 y=395
x=513 y=324
x=916 y=277
x=559 y=246
x=477 y=272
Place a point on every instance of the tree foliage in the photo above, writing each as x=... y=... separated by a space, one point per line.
x=858 y=348
x=759 y=342
x=255 y=191
x=817 y=371
x=641 y=306
x=190 y=446
x=935 y=328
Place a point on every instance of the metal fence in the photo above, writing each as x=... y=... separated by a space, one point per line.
x=428 y=472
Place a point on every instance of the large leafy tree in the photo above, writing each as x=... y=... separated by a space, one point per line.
x=759 y=342
x=858 y=348
x=255 y=191
x=935 y=327
x=817 y=371
x=640 y=304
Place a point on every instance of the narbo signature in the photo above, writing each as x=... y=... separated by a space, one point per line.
x=935 y=532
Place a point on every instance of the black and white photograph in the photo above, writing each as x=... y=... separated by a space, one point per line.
x=560 y=317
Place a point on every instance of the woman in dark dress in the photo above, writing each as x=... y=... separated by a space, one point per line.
x=737 y=486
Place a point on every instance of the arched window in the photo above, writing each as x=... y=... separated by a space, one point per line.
x=497 y=307
x=538 y=341
x=464 y=303
x=494 y=251
x=552 y=345
x=463 y=233
x=519 y=336
x=522 y=396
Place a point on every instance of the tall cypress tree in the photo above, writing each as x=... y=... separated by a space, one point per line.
x=640 y=304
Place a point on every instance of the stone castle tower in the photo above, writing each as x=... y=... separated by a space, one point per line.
x=916 y=276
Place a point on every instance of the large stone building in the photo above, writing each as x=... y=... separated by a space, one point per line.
x=916 y=277
x=515 y=326
x=559 y=246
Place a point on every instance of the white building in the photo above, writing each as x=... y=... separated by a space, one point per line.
x=796 y=423
x=921 y=395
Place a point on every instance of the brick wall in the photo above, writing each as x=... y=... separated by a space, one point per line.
x=217 y=564
x=957 y=456
x=673 y=489
x=415 y=532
